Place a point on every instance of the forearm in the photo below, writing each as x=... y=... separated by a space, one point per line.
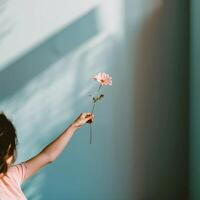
x=55 y=148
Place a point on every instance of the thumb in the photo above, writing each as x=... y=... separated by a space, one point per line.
x=90 y=119
x=88 y=115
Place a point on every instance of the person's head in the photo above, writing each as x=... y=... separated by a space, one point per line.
x=8 y=142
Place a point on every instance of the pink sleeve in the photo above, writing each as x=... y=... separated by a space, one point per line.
x=18 y=172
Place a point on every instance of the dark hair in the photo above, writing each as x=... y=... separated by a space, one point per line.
x=8 y=142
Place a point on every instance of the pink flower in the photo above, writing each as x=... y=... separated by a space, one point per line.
x=103 y=78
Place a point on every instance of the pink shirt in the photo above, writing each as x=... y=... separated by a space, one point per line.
x=10 y=185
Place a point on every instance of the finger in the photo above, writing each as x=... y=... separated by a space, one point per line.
x=89 y=121
x=88 y=118
x=92 y=116
x=88 y=114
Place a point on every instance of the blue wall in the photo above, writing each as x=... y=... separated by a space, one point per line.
x=158 y=46
x=139 y=149
x=43 y=92
x=194 y=103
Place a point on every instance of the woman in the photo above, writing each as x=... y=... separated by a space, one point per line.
x=12 y=176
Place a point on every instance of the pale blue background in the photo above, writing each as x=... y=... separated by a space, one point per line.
x=140 y=148
x=194 y=102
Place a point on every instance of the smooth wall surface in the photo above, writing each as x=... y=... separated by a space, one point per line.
x=44 y=90
x=139 y=151
x=25 y=24
x=158 y=43
x=194 y=102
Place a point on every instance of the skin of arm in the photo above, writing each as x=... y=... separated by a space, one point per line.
x=55 y=148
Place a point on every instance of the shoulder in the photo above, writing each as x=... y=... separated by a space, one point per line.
x=17 y=172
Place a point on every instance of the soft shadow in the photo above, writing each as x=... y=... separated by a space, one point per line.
x=45 y=106
x=44 y=92
x=20 y=72
x=161 y=82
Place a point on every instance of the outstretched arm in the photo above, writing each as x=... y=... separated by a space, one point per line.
x=54 y=149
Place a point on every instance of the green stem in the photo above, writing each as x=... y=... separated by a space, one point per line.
x=92 y=113
x=91 y=125
x=93 y=108
x=99 y=87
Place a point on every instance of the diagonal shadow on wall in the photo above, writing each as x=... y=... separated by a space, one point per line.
x=19 y=74
x=161 y=80
x=21 y=71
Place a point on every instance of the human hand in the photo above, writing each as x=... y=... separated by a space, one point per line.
x=83 y=118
